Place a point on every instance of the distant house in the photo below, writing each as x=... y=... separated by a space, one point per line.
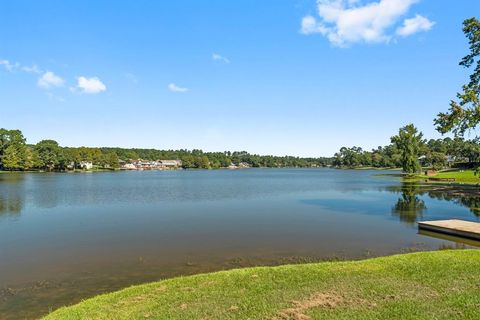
x=241 y=165
x=71 y=165
x=129 y=166
x=86 y=165
x=170 y=163
x=140 y=164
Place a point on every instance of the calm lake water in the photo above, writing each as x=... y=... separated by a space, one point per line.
x=69 y=236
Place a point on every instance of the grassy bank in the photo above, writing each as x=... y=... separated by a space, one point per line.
x=467 y=176
x=434 y=285
x=454 y=176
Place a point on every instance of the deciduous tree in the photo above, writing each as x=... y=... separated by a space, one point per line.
x=409 y=142
x=464 y=114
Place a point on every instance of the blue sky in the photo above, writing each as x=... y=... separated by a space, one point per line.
x=270 y=77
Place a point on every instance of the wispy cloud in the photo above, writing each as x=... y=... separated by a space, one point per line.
x=344 y=22
x=9 y=66
x=414 y=25
x=32 y=69
x=50 y=80
x=15 y=66
x=174 y=88
x=91 y=85
x=220 y=58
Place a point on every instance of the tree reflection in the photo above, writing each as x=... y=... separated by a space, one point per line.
x=409 y=206
x=11 y=194
x=467 y=196
x=12 y=206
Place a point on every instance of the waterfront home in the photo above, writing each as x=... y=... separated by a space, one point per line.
x=241 y=165
x=86 y=165
x=140 y=164
x=128 y=166
x=171 y=163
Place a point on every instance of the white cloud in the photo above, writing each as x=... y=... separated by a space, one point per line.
x=310 y=25
x=217 y=57
x=49 y=80
x=9 y=66
x=414 y=25
x=33 y=69
x=174 y=88
x=345 y=22
x=90 y=85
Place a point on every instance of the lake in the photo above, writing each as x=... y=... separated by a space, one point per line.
x=68 y=236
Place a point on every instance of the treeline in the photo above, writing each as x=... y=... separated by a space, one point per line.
x=433 y=153
x=17 y=155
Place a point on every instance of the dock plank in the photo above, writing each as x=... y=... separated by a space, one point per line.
x=461 y=228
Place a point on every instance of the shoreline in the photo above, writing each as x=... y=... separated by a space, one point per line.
x=398 y=286
x=153 y=170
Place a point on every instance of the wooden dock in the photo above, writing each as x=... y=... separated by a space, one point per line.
x=459 y=228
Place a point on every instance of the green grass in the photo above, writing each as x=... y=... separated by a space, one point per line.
x=427 y=285
x=466 y=176
x=459 y=176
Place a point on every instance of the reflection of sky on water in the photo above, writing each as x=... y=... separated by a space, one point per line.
x=131 y=227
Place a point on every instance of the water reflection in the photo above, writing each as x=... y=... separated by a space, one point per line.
x=455 y=242
x=84 y=234
x=409 y=207
x=467 y=196
x=11 y=195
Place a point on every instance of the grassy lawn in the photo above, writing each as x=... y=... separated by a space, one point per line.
x=467 y=176
x=427 y=285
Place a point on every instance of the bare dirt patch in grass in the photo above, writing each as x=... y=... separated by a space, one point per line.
x=319 y=300
x=297 y=312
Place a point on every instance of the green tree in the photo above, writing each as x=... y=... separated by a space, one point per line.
x=202 y=162
x=464 y=114
x=205 y=163
x=437 y=160
x=188 y=161
x=49 y=153
x=32 y=159
x=15 y=143
x=409 y=142
x=112 y=160
x=12 y=159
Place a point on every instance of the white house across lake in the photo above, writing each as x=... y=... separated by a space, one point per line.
x=140 y=164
